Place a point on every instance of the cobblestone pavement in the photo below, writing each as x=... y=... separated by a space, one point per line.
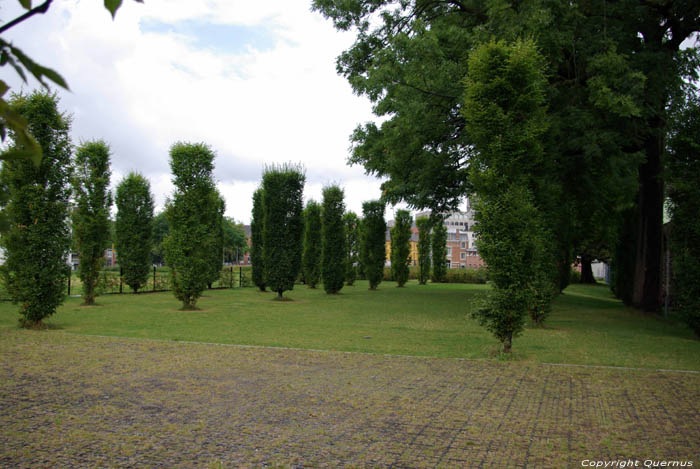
x=77 y=401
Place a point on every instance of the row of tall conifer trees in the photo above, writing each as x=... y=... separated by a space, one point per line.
x=323 y=244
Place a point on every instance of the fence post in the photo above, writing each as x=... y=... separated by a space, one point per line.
x=120 y=278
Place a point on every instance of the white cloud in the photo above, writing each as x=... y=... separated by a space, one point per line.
x=143 y=89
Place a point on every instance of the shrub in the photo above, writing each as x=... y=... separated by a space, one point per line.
x=333 y=239
x=311 y=258
x=401 y=246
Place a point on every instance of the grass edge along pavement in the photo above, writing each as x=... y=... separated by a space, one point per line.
x=178 y=404
x=587 y=327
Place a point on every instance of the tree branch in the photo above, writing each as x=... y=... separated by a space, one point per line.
x=40 y=9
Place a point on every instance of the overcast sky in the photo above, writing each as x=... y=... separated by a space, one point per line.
x=255 y=80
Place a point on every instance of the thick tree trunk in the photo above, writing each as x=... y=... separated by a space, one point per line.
x=646 y=293
x=586 y=269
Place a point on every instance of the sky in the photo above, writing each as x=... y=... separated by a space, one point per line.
x=254 y=80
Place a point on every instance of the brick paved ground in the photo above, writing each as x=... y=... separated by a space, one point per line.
x=76 y=401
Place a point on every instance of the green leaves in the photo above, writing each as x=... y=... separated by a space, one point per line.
x=401 y=246
x=26 y=4
x=114 y=5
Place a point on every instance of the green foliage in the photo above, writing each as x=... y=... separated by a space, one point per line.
x=311 y=261
x=235 y=241
x=161 y=229
x=373 y=241
x=134 y=229
x=352 y=246
x=38 y=237
x=424 y=226
x=333 y=239
x=194 y=206
x=257 y=222
x=215 y=221
x=505 y=114
x=575 y=276
x=401 y=246
x=439 y=248
x=283 y=226
x=684 y=194
x=91 y=215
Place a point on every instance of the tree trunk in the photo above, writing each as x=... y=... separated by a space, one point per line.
x=279 y=294
x=586 y=269
x=507 y=343
x=646 y=293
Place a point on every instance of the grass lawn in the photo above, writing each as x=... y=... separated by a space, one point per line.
x=587 y=325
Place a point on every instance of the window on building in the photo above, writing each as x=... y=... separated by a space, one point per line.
x=463 y=255
x=449 y=252
x=464 y=245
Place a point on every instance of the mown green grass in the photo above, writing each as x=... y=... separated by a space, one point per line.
x=587 y=325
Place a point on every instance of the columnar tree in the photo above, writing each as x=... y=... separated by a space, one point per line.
x=373 y=240
x=505 y=114
x=401 y=246
x=216 y=230
x=352 y=246
x=311 y=259
x=257 y=259
x=193 y=206
x=38 y=236
x=134 y=229
x=423 y=224
x=333 y=239
x=439 y=248
x=283 y=187
x=91 y=214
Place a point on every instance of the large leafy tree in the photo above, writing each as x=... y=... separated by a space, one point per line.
x=311 y=258
x=134 y=229
x=257 y=223
x=424 y=226
x=194 y=204
x=684 y=195
x=333 y=239
x=373 y=241
x=38 y=236
x=283 y=227
x=401 y=246
x=91 y=223
x=610 y=79
x=352 y=246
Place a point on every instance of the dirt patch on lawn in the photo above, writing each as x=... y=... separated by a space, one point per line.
x=69 y=400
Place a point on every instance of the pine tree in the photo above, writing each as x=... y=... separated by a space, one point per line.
x=283 y=188
x=423 y=224
x=401 y=246
x=38 y=238
x=257 y=259
x=91 y=215
x=134 y=229
x=373 y=241
x=333 y=239
x=352 y=246
x=312 y=244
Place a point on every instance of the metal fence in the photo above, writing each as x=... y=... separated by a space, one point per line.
x=112 y=282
